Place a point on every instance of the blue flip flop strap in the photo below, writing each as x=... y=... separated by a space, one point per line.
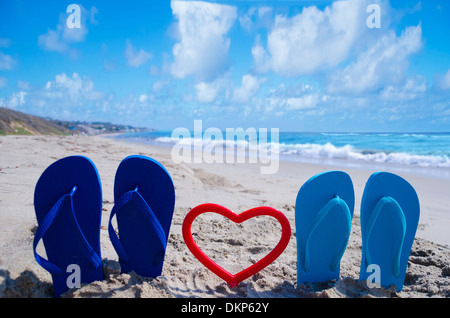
x=46 y=223
x=317 y=220
x=147 y=212
x=376 y=211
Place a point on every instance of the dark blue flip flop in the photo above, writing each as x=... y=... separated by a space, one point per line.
x=68 y=206
x=144 y=197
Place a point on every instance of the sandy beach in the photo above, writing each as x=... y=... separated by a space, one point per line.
x=238 y=187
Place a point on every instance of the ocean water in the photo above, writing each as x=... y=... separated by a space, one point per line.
x=424 y=152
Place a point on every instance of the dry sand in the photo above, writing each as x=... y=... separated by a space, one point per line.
x=238 y=187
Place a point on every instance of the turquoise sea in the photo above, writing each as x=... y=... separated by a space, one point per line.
x=401 y=150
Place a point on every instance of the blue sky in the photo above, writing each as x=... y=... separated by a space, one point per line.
x=293 y=65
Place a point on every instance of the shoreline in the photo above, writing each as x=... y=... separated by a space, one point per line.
x=235 y=186
x=436 y=220
x=343 y=163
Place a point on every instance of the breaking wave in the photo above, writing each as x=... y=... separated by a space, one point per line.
x=323 y=151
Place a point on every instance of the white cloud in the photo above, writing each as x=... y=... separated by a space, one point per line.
x=134 y=58
x=51 y=41
x=143 y=98
x=384 y=63
x=443 y=82
x=153 y=71
x=311 y=40
x=413 y=88
x=159 y=85
x=23 y=85
x=6 y=62
x=17 y=99
x=59 y=40
x=74 y=90
x=293 y=98
x=206 y=92
x=305 y=102
x=74 y=97
x=245 y=21
x=3 y=81
x=218 y=91
x=292 y=103
x=250 y=87
x=261 y=58
x=256 y=17
x=202 y=49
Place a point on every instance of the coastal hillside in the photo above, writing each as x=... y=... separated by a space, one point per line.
x=16 y=123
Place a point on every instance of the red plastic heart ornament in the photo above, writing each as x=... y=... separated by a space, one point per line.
x=234 y=280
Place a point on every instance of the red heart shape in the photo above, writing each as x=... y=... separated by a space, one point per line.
x=234 y=280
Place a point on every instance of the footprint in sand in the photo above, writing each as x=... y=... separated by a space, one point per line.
x=211 y=179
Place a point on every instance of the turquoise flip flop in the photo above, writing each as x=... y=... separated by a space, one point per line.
x=390 y=213
x=68 y=205
x=323 y=217
x=144 y=197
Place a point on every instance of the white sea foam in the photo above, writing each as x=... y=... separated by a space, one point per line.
x=327 y=151
x=330 y=151
x=166 y=139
